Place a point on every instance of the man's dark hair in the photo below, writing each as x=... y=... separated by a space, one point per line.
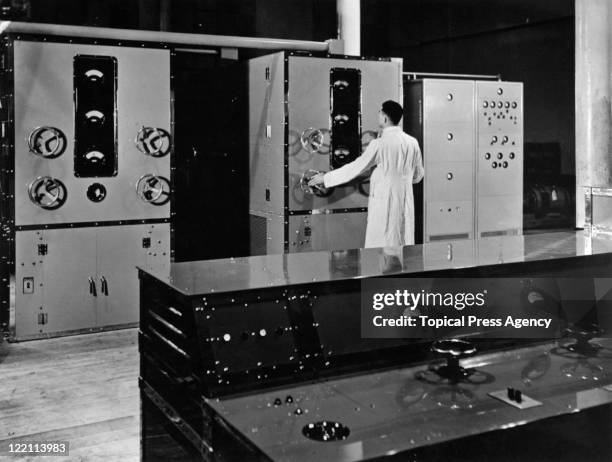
x=393 y=110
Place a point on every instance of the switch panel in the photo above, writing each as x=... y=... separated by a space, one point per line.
x=499 y=161
x=471 y=135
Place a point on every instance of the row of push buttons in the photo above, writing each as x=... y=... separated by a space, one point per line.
x=500 y=104
x=499 y=155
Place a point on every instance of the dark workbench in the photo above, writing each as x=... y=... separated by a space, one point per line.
x=238 y=356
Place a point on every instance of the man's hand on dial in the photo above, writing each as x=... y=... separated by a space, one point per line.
x=317 y=180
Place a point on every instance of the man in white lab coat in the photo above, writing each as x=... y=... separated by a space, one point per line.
x=398 y=164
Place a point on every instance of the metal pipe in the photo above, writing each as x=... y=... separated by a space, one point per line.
x=349 y=25
x=453 y=76
x=170 y=38
x=593 y=93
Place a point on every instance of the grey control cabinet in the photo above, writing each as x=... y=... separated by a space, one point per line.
x=471 y=133
x=86 y=182
x=311 y=113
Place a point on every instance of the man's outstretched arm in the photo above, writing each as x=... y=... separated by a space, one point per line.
x=353 y=169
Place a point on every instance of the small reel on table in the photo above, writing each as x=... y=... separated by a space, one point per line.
x=583 y=344
x=453 y=349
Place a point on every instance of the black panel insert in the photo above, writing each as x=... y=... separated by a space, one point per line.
x=345 y=92
x=95 y=130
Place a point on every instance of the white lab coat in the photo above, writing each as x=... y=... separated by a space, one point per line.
x=399 y=164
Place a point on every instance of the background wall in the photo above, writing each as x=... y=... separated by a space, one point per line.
x=527 y=40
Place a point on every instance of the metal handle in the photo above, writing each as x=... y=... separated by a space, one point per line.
x=104 y=285
x=92 y=287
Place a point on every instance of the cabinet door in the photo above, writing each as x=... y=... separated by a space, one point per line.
x=67 y=293
x=120 y=250
x=53 y=271
x=29 y=307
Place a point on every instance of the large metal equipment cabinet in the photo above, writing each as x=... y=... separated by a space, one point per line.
x=311 y=113
x=471 y=133
x=85 y=175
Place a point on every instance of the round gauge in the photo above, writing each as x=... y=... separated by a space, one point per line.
x=96 y=192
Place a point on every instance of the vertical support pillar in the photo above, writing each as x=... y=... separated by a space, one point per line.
x=164 y=15
x=593 y=105
x=349 y=25
x=148 y=14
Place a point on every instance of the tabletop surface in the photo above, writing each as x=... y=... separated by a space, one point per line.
x=267 y=271
x=396 y=410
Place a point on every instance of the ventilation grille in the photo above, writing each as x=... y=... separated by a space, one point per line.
x=511 y=232
x=448 y=237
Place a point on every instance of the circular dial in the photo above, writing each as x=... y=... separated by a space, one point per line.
x=48 y=142
x=320 y=191
x=96 y=192
x=312 y=139
x=47 y=192
x=153 y=189
x=154 y=142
